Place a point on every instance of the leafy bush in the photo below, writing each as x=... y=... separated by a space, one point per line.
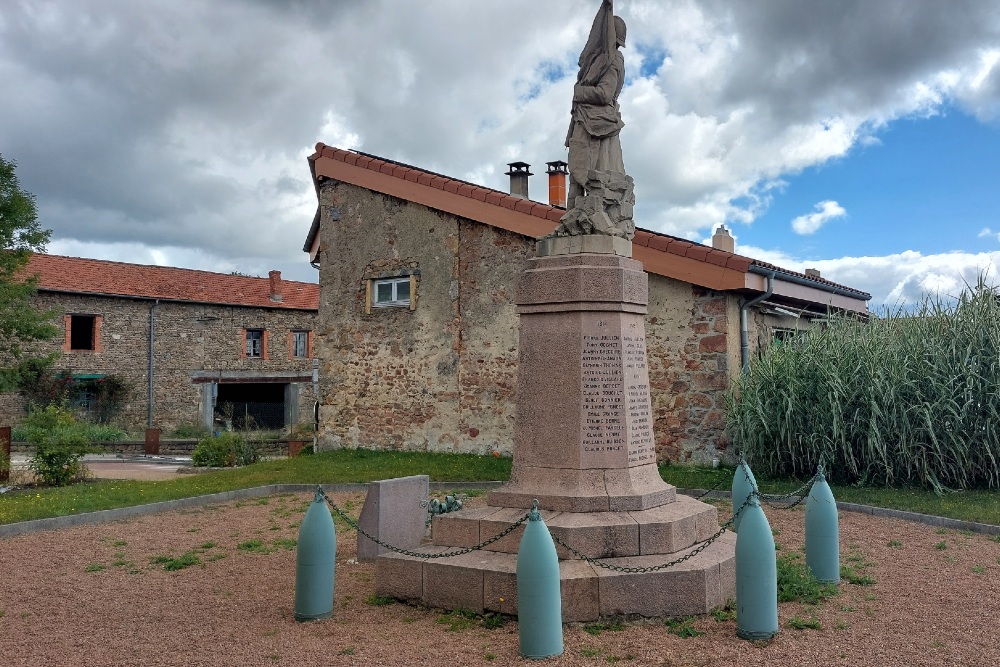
x=60 y=443
x=905 y=399
x=224 y=450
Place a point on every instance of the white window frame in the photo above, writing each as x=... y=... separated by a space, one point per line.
x=255 y=345
x=297 y=337
x=395 y=301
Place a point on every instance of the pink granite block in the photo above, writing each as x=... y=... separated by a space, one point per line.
x=637 y=488
x=500 y=521
x=556 y=489
x=578 y=585
x=597 y=535
x=399 y=576
x=680 y=590
x=666 y=529
x=455 y=582
x=500 y=583
x=459 y=529
x=392 y=513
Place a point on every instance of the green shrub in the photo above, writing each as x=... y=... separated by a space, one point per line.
x=908 y=399
x=224 y=450
x=60 y=443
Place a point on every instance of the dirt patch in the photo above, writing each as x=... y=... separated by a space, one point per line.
x=95 y=595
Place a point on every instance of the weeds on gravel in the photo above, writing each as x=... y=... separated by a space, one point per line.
x=379 y=600
x=726 y=613
x=174 y=563
x=254 y=546
x=941 y=546
x=683 y=627
x=597 y=628
x=799 y=623
x=94 y=567
x=852 y=576
x=458 y=620
x=795 y=582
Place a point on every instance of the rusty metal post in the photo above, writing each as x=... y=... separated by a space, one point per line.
x=152 y=442
x=5 y=444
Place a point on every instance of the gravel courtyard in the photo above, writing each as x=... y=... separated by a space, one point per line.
x=95 y=595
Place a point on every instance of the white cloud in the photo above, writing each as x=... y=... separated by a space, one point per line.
x=897 y=280
x=987 y=233
x=811 y=222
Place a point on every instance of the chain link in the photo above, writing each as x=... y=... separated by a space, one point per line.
x=417 y=554
x=800 y=494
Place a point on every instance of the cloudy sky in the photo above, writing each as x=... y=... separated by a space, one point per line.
x=860 y=138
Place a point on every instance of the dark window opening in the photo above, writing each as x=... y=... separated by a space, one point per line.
x=250 y=405
x=81 y=332
x=300 y=344
x=255 y=340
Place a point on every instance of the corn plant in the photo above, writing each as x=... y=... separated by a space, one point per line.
x=905 y=399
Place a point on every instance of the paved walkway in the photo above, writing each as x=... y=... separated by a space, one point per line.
x=116 y=466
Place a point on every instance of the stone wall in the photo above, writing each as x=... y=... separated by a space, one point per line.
x=442 y=377
x=193 y=344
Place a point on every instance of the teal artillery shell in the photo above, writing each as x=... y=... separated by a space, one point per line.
x=539 y=602
x=756 y=577
x=822 y=534
x=314 y=564
x=743 y=484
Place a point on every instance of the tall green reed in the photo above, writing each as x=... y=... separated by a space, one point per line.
x=907 y=399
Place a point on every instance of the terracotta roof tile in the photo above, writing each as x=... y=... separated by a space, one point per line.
x=351 y=159
x=451 y=186
x=738 y=263
x=555 y=214
x=717 y=257
x=523 y=205
x=479 y=194
x=95 y=276
x=437 y=182
x=538 y=209
x=364 y=161
x=642 y=237
x=658 y=243
x=494 y=197
x=698 y=252
x=509 y=202
x=465 y=189
x=424 y=178
x=387 y=168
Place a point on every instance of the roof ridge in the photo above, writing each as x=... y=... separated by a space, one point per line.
x=667 y=243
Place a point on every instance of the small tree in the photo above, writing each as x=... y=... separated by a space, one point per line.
x=20 y=236
x=60 y=443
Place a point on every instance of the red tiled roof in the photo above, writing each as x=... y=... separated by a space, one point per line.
x=656 y=241
x=96 y=276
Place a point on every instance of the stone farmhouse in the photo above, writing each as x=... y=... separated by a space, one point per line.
x=417 y=334
x=198 y=347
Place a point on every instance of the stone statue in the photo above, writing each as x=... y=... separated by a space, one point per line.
x=600 y=197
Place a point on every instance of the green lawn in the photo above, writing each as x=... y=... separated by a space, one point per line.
x=363 y=466
x=342 y=466
x=980 y=506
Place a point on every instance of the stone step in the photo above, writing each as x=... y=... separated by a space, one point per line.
x=661 y=530
x=486 y=581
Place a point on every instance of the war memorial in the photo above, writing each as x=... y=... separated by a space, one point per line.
x=628 y=544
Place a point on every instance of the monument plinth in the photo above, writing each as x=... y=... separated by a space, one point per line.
x=584 y=447
x=583 y=436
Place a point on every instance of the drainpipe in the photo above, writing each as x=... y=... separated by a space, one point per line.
x=744 y=323
x=149 y=396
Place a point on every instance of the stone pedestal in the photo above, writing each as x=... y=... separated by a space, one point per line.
x=584 y=448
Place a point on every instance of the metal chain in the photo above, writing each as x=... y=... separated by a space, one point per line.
x=800 y=494
x=654 y=568
x=417 y=554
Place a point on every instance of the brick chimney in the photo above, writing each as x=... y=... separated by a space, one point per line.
x=721 y=240
x=275 y=279
x=557 y=183
x=519 y=178
x=813 y=273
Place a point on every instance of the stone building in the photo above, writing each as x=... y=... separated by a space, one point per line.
x=417 y=335
x=198 y=347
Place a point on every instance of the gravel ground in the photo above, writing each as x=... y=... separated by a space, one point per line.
x=91 y=596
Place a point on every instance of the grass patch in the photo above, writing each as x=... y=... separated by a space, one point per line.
x=458 y=620
x=799 y=623
x=726 y=613
x=172 y=563
x=590 y=652
x=254 y=547
x=683 y=627
x=852 y=576
x=379 y=600
x=597 y=628
x=941 y=546
x=94 y=567
x=796 y=583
